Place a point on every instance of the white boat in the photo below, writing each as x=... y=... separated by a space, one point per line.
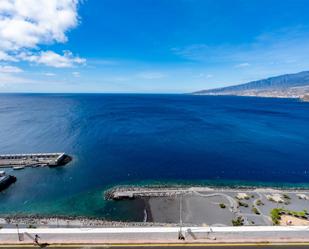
x=18 y=167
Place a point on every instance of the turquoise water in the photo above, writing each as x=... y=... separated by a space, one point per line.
x=148 y=139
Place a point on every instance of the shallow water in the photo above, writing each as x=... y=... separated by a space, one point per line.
x=141 y=139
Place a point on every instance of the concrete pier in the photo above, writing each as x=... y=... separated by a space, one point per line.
x=33 y=160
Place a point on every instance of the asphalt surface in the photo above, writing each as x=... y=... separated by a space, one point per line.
x=131 y=246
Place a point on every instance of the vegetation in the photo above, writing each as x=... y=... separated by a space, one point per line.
x=285 y=196
x=239 y=221
x=276 y=213
x=287 y=202
x=242 y=204
x=255 y=210
x=260 y=203
x=222 y=205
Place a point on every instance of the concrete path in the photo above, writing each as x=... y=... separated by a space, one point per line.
x=157 y=234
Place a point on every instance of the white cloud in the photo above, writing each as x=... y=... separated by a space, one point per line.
x=76 y=74
x=242 y=65
x=151 y=75
x=10 y=69
x=5 y=57
x=6 y=78
x=202 y=75
x=49 y=74
x=26 y=24
x=53 y=59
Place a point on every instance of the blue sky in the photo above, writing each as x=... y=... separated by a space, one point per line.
x=148 y=46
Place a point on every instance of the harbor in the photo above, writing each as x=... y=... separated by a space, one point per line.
x=20 y=161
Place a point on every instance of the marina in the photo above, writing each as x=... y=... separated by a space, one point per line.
x=20 y=161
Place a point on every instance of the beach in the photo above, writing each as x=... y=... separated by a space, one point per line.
x=214 y=206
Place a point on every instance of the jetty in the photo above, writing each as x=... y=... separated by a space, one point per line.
x=136 y=192
x=19 y=161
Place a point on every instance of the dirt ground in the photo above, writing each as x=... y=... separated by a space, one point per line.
x=288 y=220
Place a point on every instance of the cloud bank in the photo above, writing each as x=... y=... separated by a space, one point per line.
x=27 y=24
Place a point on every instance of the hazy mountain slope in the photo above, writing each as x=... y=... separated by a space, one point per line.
x=288 y=85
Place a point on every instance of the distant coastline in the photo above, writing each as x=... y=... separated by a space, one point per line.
x=282 y=86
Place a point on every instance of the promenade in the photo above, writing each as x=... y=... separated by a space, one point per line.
x=155 y=235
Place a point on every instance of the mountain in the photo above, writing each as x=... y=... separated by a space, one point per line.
x=288 y=85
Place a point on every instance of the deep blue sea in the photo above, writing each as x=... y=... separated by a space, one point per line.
x=146 y=139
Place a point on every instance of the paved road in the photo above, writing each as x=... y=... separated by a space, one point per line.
x=188 y=246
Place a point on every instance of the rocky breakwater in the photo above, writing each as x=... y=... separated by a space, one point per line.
x=120 y=193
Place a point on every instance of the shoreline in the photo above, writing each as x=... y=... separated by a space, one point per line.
x=34 y=221
x=184 y=187
x=214 y=206
x=161 y=206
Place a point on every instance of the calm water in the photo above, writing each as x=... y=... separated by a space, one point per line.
x=140 y=139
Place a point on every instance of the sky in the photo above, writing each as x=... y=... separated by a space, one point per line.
x=148 y=46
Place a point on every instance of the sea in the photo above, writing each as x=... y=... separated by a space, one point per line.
x=147 y=139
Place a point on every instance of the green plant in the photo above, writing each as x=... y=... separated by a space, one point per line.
x=285 y=196
x=275 y=215
x=222 y=205
x=239 y=221
x=242 y=204
x=255 y=210
x=260 y=203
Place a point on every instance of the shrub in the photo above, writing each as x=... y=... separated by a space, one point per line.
x=242 y=204
x=255 y=210
x=222 y=205
x=285 y=196
x=260 y=203
x=239 y=221
x=275 y=215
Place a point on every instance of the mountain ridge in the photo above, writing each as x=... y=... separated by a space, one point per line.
x=294 y=85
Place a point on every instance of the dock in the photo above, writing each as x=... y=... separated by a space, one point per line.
x=18 y=161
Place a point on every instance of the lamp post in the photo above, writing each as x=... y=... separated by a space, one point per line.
x=19 y=239
x=180 y=235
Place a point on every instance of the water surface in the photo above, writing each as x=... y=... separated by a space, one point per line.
x=140 y=139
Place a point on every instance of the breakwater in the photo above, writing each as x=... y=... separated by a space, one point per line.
x=120 y=193
x=32 y=160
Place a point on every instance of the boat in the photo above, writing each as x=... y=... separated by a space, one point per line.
x=18 y=167
x=6 y=181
